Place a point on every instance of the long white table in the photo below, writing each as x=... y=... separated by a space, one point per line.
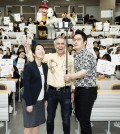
x=106 y=108
x=11 y=85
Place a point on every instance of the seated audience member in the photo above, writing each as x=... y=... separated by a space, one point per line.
x=97 y=52
x=74 y=16
x=100 y=37
x=30 y=21
x=73 y=52
x=63 y=35
x=95 y=44
x=93 y=27
x=65 y=17
x=86 y=19
x=8 y=54
x=106 y=57
x=21 y=48
x=22 y=17
x=102 y=47
x=70 y=48
x=11 y=16
x=16 y=28
x=21 y=55
x=26 y=31
x=91 y=20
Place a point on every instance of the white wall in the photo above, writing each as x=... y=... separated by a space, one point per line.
x=93 y=10
x=2 y=10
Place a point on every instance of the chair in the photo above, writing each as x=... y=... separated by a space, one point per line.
x=3 y=86
x=115 y=86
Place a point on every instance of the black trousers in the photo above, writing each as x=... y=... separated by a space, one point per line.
x=84 y=100
x=64 y=98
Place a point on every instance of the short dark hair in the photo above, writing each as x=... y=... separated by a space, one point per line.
x=107 y=57
x=21 y=52
x=70 y=45
x=96 y=49
x=33 y=47
x=9 y=11
x=1 y=49
x=84 y=36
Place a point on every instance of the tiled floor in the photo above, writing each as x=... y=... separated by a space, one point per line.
x=16 y=124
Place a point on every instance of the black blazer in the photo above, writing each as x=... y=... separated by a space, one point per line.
x=32 y=82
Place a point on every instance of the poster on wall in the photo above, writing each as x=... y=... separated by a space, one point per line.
x=106 y=13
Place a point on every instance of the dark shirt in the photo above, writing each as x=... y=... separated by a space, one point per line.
x=66 y=19
x=16 y=29
x=6 y=57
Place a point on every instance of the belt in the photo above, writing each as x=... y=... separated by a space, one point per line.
x=59 y=88
x=87 y=87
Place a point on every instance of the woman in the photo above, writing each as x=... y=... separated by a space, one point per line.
x=84 y=80
x=8 y=54
x=30 y=21
x=34 y=82
x=22 y=55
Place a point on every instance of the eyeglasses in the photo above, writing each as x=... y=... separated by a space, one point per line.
x=78 y=39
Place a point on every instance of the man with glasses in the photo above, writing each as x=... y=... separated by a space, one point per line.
x=84 y=80
x=59 y=91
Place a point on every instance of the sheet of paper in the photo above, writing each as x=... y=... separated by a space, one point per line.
x=105 y=67
x=39 y=17
x=32 y=28
x=106 y=42
x=6 y=67
x=115 y=59
x=17 y=17
x=114 y=31
x=98 y=25
x=6 y=20
x=20 y=63
x=106 y=27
